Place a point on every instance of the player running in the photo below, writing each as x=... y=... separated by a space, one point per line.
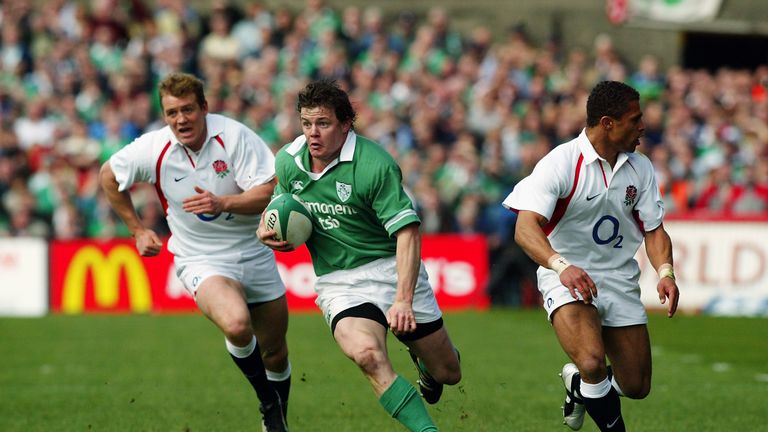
x=583 y=213
x=214 y=177
x=366 y=250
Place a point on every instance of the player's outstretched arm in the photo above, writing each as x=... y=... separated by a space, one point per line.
x=408 y=255
x=147 y=242
x=658 y=246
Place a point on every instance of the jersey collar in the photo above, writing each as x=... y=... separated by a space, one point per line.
x=348 y=150
x=299 y=146
x=590 y=155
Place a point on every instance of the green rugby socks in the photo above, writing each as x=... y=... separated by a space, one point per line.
x=403 y=403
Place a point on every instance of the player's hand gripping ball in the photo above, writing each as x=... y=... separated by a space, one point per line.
x=289 y=217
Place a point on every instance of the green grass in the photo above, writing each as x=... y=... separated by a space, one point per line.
x=171 y=373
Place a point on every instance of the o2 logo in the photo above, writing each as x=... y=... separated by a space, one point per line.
x=211 y=217
x=607 y=225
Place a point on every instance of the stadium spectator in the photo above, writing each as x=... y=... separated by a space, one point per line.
x=598 y=180
x=647 y=79
x=219 y=46
x=252 y=32
x=367 y=257
x=214 y=176
x=37 y=129
x=413 y=90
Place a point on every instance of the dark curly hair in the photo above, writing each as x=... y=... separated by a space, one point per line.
x=609 y=98
x=327 y=93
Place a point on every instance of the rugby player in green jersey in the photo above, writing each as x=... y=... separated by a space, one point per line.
x=366 y=252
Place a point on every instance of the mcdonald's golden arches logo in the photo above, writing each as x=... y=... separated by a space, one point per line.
x=105 y=269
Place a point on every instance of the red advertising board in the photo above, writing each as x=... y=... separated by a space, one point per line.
x=110 y=277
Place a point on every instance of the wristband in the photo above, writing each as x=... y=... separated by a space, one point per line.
x=558 y=263
x=665 y=270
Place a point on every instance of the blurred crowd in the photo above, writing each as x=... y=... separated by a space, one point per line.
x=465 y=114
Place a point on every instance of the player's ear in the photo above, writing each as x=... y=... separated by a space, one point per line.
x=606 y=122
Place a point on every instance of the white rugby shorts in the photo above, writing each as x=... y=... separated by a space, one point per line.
x=618 y=297
x=257 y=274
x=376 y=283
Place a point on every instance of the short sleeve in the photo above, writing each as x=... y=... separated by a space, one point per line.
x=650 y=206
x=134 y=163
x=253 y=160
x=540 y=191
x=392 y=206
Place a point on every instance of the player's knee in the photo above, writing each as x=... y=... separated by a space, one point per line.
x=448 y=373
x=451 y=377
x=237 y=329
x=636 y=390
x=639 y=394
x=369 y=359
x=274 y=354
x=592 y=366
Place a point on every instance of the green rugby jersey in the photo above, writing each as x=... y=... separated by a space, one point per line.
x=357 y=203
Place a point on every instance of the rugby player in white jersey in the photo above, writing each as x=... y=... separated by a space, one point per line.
x=582 y=215
x=366 y=250
x=214 y=176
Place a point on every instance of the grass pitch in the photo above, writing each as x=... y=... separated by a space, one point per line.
x=172 y=373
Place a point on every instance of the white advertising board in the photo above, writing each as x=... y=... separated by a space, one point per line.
x=721 y=267
x=23 y=277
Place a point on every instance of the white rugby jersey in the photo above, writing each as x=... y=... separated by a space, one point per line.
x=596 y=215
x=232 y=160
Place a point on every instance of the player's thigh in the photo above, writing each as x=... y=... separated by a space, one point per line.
x=270 y=324
x=437 y=353
x=215 y=286
x=578 y=329
x=221 y=299
x=357 y=337
x=629 y=350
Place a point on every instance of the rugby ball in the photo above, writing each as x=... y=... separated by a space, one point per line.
x=289 y=217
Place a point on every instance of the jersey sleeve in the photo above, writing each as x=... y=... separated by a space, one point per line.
x=281 y=159
x=650 y=206
x=540 y=191
x=392 y=206
x=134 y=163
x=253 y=160
x=279 y=189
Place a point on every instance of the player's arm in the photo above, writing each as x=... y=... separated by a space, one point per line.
x=531 y=238
x=658 y=246
x=147 y=242
x=408 y=256
x=252 y=201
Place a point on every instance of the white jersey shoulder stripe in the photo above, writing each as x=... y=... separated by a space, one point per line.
x=398 y=217
x=158 y=186
x=562 y=203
